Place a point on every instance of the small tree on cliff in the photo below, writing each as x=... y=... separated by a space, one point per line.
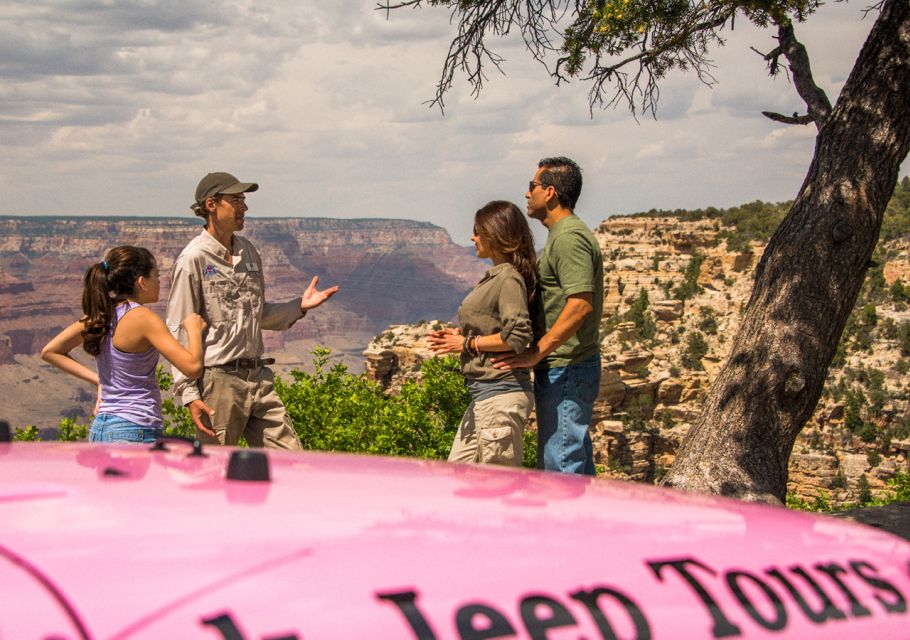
x=811 y=272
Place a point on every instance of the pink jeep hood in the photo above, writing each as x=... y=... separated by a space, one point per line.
x=126 y=542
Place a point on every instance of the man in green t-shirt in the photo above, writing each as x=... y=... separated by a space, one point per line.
x=567 y=313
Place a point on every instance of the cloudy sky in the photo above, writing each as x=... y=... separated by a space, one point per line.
x=119 y=107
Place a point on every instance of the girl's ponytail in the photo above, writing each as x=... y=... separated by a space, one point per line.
x=107 y=283
x=97 y=307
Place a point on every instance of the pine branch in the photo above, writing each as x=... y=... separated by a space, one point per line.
x=819 y=107
x=794 y=119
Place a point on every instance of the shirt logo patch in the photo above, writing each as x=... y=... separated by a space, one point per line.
x=210 y=271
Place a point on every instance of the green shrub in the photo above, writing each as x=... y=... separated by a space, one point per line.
x=68 y=430
x=852 y=405
x=28 y=434
x=689 y=286
x=333 y=410
x=696 y=349
x=821 y=504
x=899 y=487
x=903 y=337
x=707 y=323
x=177 y=421
x=529 y=438
x=865 y=493
x=638 y=314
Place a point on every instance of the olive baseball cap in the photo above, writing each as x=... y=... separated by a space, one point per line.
x=221 y=183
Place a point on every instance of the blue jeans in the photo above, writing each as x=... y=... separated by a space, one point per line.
x=110 y=428
x=565 y=403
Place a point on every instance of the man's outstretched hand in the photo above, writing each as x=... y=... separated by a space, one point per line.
x=313 y=297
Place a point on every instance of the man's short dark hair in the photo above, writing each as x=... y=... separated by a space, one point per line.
x=565 y=176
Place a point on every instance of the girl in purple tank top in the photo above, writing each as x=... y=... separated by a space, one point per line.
x=126 y=339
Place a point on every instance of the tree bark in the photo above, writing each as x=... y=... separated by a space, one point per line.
x=807 y=282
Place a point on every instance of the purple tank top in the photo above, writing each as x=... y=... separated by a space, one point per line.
x=129 y=388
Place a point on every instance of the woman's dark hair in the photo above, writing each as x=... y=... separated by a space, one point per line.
x=105 y=284
x=505 y=228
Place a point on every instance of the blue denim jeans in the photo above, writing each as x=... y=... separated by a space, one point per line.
x=565 y=402
x=110 y=428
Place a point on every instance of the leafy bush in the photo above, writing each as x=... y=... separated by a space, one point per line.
x=852 y=405
x=28 y=434
x=67 y=431
x=707 y=323
x=689 y=286
x=334 y=410
x=821 y=504
x=865 y=493
x=696 y=349
x=177 y=421
x=903 y=337
x=70 y=431
x=900 y=487
x=638 y=314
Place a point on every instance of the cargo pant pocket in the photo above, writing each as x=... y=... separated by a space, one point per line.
x=497 y=445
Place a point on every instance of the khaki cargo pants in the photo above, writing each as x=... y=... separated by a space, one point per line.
x=245 y=404
x=491 y=430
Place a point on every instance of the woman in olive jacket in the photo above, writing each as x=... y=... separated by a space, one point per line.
x=494 y=319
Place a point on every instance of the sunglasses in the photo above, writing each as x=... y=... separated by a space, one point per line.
x=533 y=184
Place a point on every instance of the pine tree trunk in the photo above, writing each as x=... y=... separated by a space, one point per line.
x=807 y=281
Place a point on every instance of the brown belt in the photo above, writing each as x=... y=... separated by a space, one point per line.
x=244 y=363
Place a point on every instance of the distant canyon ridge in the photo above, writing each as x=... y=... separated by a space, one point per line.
x=390 y=271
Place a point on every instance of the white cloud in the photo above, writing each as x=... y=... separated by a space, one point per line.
x=123 y=105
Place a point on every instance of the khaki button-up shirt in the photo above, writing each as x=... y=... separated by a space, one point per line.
x=230 y=295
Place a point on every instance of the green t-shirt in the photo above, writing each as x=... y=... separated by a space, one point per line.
x=570 y=263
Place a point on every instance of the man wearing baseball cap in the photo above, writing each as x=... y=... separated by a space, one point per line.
x=219 y=276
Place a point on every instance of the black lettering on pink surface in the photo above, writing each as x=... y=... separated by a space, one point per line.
x=492 y=624
x=722 y=628
x=225 y=626
x=834 y=571
x=827 y=611
x=406 y=601
x=779 y=621
x=538 y=626
x=229 y=630
x=869 y=575
x=590 y=598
